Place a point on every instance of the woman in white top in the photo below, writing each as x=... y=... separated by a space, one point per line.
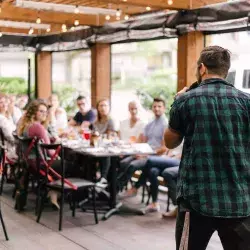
x=58 y=115
x=131 y=130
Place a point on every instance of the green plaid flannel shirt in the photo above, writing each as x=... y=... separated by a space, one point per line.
x=214 y=176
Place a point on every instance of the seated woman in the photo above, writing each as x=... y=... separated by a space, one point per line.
x=7 y=127
x=57 y=115
x=104 y=125
x=34 y=124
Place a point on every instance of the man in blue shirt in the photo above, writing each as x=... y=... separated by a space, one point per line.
x=85 y=116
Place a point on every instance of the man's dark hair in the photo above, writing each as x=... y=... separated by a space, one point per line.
x=158 y=99
x=216 y=59
x=80 y=97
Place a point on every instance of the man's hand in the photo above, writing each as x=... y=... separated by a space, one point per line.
x=184 y=90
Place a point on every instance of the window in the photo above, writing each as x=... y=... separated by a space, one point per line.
x=231 y=77
x=246 y=79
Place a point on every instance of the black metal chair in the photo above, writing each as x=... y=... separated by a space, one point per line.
x=3 y=224
x=61 y=184
x=28 y=170
x=4 y=161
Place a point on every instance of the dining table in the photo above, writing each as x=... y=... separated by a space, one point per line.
x=115 y=150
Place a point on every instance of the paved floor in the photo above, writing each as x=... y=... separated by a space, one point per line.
x=125 y=231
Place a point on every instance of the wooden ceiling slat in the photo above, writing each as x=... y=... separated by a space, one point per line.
x=56 y=19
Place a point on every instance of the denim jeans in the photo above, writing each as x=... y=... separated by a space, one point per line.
x=155 y=166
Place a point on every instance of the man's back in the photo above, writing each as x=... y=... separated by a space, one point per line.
x=215 y=168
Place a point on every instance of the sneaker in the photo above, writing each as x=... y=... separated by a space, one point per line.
x=152 y=208
x=103 y=183
x=170 y=214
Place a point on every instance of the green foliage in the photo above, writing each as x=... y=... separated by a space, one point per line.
x=163 y=89
x=66 y=95
x=13 y=85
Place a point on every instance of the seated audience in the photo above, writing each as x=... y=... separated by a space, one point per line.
x=7 y=127
x=153 y=135
x=166 y=166
x=34 y=124
x=85 y=116
x=22 y=102
x=104 y=124
x=131 y=130
x=13 y=111
x=57 y=114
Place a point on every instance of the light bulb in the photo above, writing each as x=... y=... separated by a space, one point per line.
x=38 y=20
x=31 y=31
x=76 y=22
x=148 y=8
x=1 y=34
x=170 y=2
x=64 y=26
x=48 y=30
x=77 y=10
x=126 y=17
x=118 y=13
x=107 y=17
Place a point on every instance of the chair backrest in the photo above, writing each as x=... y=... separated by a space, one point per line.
x=2 y=137
x=57 y=150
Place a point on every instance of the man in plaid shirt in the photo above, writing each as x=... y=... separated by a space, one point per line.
x=214 y=179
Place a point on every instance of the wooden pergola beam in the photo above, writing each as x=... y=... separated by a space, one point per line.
x=160 y=4
x=13 y=13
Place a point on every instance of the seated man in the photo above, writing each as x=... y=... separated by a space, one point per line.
x=131 y=130
x=85 y=116
x=153 y=135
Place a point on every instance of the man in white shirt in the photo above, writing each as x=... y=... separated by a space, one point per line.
x=131 y=130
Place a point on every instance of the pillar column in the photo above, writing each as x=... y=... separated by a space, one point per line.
x=189 y=47
x=100 y=72
x=43 y=67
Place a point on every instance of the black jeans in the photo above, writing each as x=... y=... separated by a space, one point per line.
x=234 y=233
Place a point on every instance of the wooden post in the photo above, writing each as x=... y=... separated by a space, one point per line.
x=43 y=68
x=100 y=72
x=189 y=47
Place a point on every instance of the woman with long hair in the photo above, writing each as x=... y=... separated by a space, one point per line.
x=104 y=124
x=34 y=124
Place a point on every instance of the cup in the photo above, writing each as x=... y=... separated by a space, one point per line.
x=86 y=134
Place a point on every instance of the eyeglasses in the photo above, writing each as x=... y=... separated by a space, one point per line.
x=43 y=111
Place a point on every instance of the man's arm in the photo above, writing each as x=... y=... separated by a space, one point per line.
x=172 y=138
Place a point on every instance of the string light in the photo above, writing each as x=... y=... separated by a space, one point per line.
x=76 y=22
x=107 y=17
x=148 y=8
x=118 y=13
x=170 y=2
x=48 y=30
x=64 y=28
x=126 y=17
x=31 y=31
x=38 y=20
x=77 y=10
